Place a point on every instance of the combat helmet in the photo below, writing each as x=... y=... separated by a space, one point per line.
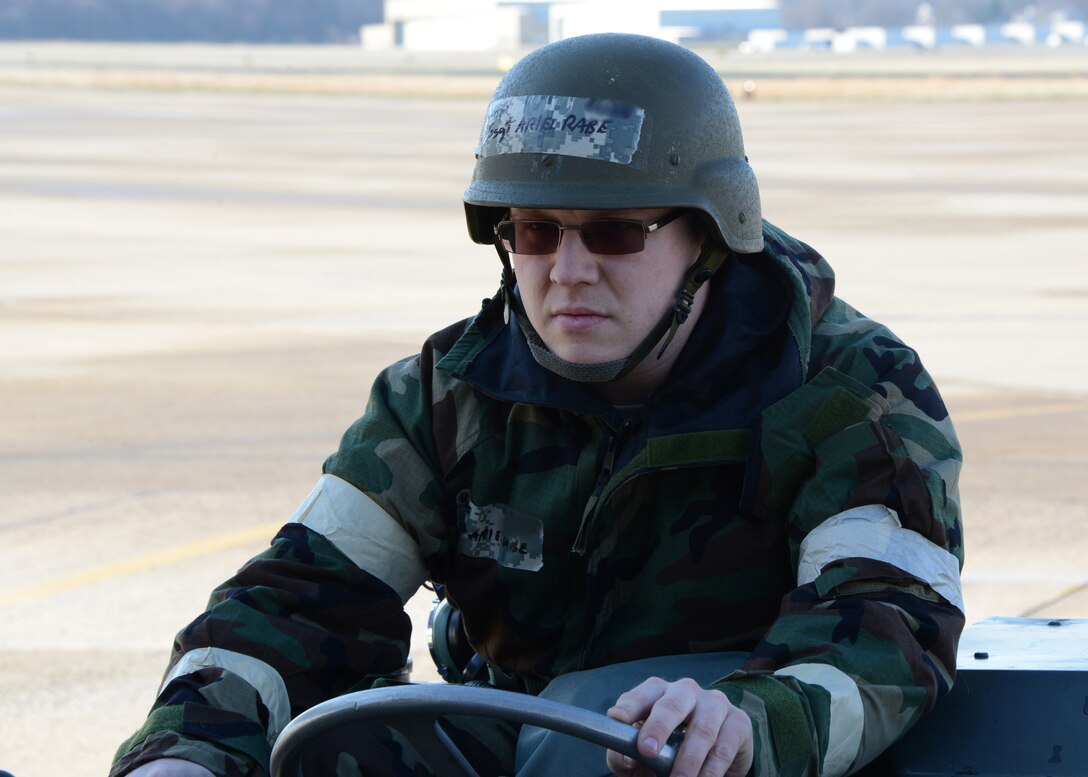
x=615 y=121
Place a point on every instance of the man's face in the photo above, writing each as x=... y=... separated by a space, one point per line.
x=591 y=308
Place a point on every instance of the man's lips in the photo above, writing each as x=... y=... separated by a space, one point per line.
x=577 y=319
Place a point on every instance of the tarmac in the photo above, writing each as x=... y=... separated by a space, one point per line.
x=197 y=288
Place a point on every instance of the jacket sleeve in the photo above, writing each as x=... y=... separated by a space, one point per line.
x=319 y=614
x=862 y=463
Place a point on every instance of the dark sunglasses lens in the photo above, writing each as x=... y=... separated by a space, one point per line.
x=529 y=237
x=614 y=236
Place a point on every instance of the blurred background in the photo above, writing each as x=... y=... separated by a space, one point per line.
x=219 y=220
x=476 y=24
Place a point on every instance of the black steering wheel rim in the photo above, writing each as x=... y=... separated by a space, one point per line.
x=414 y=710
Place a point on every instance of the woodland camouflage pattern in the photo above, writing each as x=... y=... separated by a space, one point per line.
x=574 y=535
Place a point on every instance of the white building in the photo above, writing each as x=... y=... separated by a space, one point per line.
x=477 y=25
x=918 y=36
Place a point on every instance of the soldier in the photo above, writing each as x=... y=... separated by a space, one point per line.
x=664 y=472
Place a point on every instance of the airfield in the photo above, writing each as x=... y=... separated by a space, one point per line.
x=206 y=255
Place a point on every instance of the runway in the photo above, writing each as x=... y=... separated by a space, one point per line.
x=197 y=288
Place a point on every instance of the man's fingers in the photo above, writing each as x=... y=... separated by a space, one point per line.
x=740 y=747
x=731 y=754
x=620 y=765
x=635 y=704
x=704 y=730
x=717 y=735
x=669 y=712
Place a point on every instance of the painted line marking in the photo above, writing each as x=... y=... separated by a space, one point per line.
x=996 y=578
x=138 y=564
x=1068 y=593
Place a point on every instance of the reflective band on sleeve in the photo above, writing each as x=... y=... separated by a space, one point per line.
x=874 y=532
x=262 y=677
x=847 y=716
x=365 y=533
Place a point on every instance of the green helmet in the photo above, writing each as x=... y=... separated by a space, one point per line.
x=615 y=121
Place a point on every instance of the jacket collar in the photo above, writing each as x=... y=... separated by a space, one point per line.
x=740 y=358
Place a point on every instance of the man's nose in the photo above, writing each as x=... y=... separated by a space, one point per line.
x=572 y=262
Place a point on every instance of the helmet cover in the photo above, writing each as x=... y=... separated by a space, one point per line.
x=611 y=122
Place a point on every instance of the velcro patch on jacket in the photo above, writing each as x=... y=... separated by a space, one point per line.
x=513 y=539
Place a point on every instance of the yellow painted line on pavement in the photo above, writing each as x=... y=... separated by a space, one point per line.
x=138 y=564
x=1068 y=593
x=1018 y=412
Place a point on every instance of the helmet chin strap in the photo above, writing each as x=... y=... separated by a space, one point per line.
x=707 y=263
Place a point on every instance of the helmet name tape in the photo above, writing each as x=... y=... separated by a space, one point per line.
x=588 y=127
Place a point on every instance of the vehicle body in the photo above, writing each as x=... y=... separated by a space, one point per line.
x=1019 y=707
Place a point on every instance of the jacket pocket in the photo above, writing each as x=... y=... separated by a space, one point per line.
x=782 y=451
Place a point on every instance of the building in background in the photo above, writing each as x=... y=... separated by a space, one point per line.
x=754 y=26
x=1025 y=29
x=478 y=25
x=919 y=36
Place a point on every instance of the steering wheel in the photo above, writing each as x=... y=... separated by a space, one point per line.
x=414 y=710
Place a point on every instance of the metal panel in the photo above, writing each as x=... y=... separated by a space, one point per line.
x=1019 y=706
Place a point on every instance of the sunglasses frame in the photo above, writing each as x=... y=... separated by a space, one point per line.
x=647 y=230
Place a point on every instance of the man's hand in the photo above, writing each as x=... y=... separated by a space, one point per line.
x=718 y=737
x=170 y=767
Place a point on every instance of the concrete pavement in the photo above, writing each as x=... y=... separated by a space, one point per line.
x=197 y=289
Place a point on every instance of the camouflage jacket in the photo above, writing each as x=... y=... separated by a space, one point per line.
x=789 y=492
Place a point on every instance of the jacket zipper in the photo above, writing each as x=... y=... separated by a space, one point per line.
x=581 y=539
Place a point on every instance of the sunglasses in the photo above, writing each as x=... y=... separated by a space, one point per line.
x=607 y=236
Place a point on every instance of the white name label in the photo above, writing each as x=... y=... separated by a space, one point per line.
x=586 y=127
